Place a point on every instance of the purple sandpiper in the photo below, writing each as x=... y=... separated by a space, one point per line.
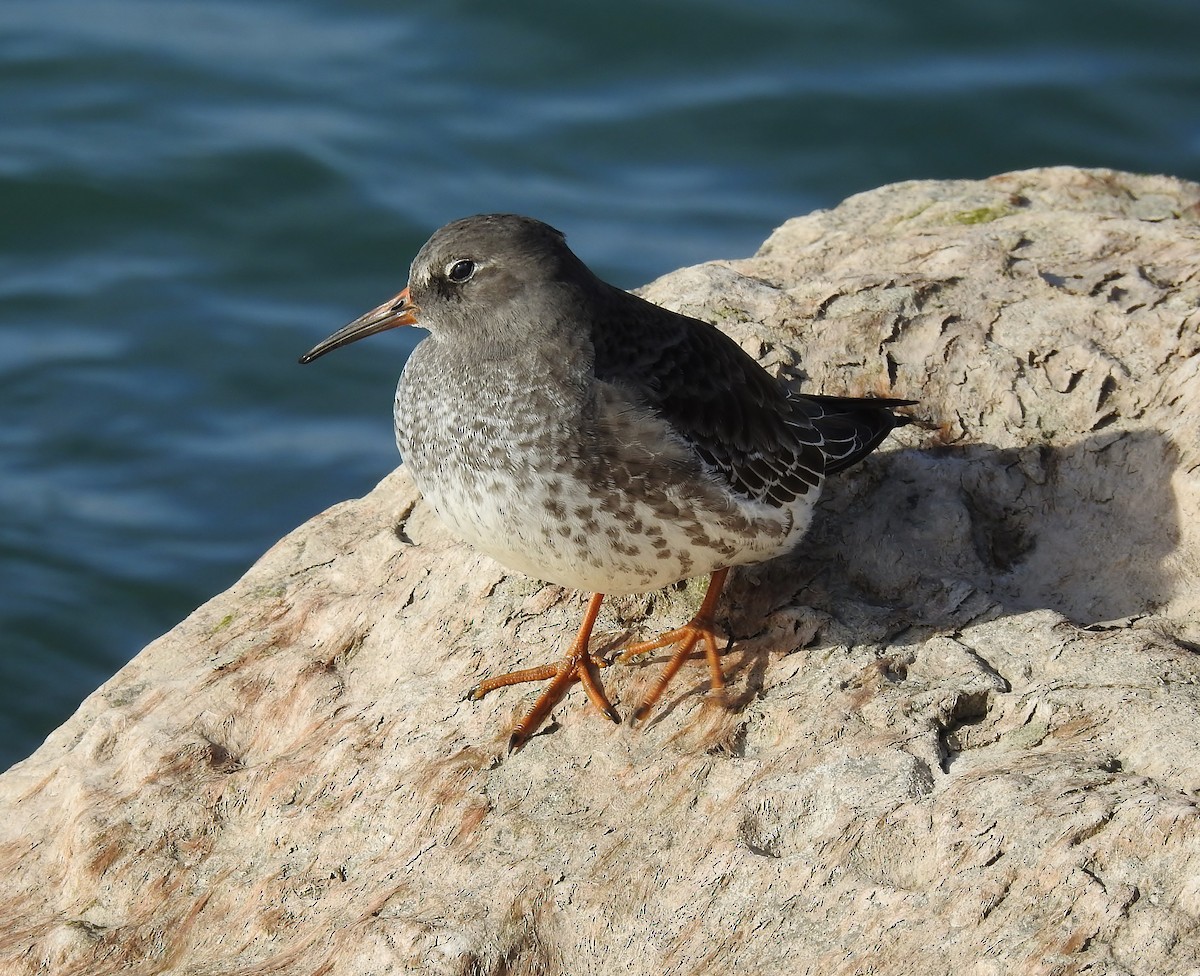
x=581 y=435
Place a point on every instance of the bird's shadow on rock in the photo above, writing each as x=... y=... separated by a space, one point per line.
x=915 y=542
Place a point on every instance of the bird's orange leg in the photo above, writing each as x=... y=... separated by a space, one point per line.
x=699 y=628
x=578 y=665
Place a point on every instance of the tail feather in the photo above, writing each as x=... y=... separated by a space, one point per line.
x=850 y=427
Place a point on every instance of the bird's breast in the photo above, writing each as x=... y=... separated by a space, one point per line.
x=516 y=463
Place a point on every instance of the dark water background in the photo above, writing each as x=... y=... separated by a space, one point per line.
x=191 y=194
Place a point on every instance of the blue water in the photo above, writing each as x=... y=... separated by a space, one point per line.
x=193 y=194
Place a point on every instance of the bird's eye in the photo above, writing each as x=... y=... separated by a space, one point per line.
x=460 y=271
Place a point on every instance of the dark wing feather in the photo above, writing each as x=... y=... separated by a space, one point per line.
x=740 y=422
x=850 y=427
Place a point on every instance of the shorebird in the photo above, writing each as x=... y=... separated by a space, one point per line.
x=583 y=436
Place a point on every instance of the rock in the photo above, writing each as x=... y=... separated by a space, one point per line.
x=967 y=728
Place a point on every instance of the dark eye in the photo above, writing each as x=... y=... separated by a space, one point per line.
x=460 y=271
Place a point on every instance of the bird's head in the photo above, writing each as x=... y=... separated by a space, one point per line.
x=492 y=279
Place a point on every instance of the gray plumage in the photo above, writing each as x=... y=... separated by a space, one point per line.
x=582 y=435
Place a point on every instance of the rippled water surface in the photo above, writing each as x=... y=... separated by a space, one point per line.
x=192 y=194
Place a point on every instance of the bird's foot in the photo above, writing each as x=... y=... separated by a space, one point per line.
x=561 y=676
x=579 y=665
x=699 y=628
x=685 y=638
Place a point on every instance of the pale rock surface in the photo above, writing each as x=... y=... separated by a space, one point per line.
x=967 y=727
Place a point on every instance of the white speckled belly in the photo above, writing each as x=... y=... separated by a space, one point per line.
x=516 y=472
